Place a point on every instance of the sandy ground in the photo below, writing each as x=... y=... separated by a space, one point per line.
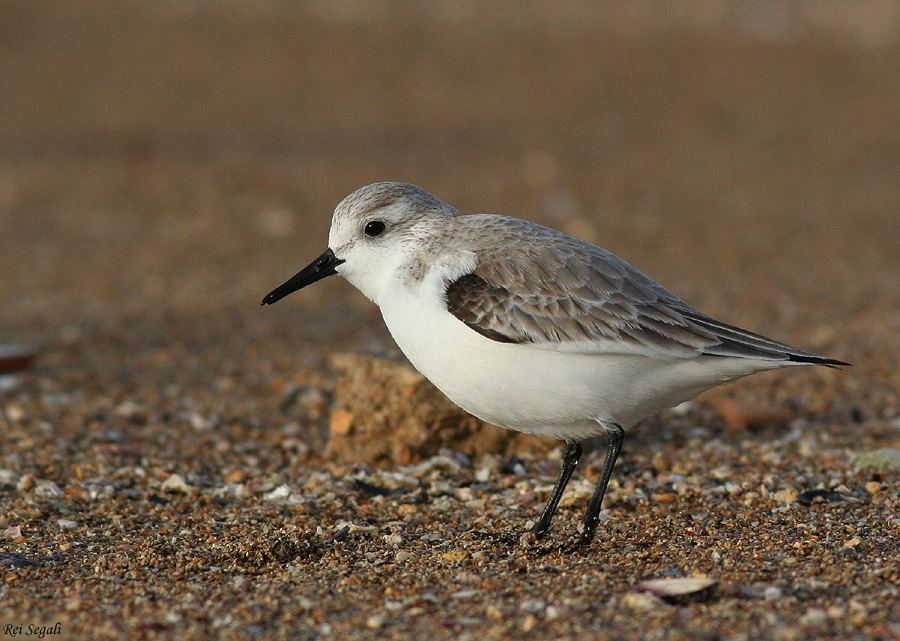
x=162 y=466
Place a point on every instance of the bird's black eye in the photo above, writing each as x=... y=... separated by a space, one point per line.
x=374 y=228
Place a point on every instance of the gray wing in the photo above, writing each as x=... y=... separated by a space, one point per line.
x=535 y=285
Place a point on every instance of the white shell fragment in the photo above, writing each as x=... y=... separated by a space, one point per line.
x=678 y=589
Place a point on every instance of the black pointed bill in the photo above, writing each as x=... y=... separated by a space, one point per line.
x=321 y=267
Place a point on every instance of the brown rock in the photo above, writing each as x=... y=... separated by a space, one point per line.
x=341 y=423
x=741 y=416
x=384 y=410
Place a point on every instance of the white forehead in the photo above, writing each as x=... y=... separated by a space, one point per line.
x=399 y=200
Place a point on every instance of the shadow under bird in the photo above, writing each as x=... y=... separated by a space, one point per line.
x=529 y=328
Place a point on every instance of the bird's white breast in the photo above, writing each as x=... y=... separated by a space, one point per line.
x=537 y=389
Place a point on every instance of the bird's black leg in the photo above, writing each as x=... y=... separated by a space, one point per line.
x=592 y=516
x=569 y=460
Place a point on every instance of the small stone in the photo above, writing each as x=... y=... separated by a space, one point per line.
x=664 y=498
x=75 y=492
x=772 y=593
x=48 y=489
x=528 y=538
x=280 y=493
x=476 y=505
x=814 y=618
x=529 y=623
x=66 y=523
x=661 y=462
x=483 y=475
x=402 y=556
x=25 y=483
x=642 y=601
x=374 y=622
x=852 y=543
x=393 y=539
x=15 y=413
x=199 y=422
x=176 y=483
x=13 y=532
x=873 y=487
x=454 y=556
x=787 y=495
x=235 y=476
x=341 y=423
x=534 y=606
x=300 y=448
x=493 y=612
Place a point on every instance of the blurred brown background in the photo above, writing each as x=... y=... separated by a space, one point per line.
x=164 y=164
x=183 y=157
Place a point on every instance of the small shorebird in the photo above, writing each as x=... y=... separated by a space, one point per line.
x=529 y=328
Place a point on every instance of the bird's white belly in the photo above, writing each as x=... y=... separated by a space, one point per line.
x=539 y=390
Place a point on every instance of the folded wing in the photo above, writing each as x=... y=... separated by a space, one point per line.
x=551 y=290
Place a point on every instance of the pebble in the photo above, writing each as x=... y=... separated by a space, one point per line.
x=455 y=556
x=26 y=482
x=814 y=618
x=176 y=484
x=15 y=413
x=529 y=623
x=236 y=476
x=493 y=612
x=48 y=489
x=280 y=493
x=532 y=605
x=661 y=462
x=393 y=539
x=787 y=495
x=341 y=423
x=14 y=532
x=642 y=601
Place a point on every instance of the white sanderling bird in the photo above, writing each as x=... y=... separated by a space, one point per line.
x=528 y=328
